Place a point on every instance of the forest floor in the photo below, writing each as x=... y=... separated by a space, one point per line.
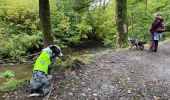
x=121 y=75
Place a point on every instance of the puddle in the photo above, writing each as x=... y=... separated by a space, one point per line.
x=21 y=71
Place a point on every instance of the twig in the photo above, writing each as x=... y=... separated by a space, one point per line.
x=32 y=55
x=12 y=61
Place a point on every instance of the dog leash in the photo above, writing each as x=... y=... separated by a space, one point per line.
x=51 y=88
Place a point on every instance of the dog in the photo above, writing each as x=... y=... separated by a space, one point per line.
x=138 y=43
x=41 y=80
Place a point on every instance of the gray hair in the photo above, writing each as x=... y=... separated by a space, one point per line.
x=157 y=14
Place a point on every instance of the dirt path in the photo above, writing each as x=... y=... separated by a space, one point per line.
x=124 y=75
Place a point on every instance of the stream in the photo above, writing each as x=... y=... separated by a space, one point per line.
x=21 y=71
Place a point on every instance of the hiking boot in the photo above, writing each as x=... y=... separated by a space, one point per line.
x=155 y=50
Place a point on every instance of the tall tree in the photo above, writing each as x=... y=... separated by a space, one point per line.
x=44 y=12
x=121 y=22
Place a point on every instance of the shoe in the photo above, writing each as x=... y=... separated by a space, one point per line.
x=155 y=50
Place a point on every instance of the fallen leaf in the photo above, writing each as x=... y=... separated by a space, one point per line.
x=129 y=91
x=156 y=98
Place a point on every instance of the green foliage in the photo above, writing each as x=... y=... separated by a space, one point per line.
x=70 y=27
x=17 y=19
x=75 y=28
x=68 y=63
x=20 y=16
x=74 y=23
x=104 y=23
x=79 y=6
x=19 y=44
x=109 y=40
x=7 y=74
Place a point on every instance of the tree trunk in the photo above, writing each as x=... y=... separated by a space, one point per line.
x=44 y=13
x=121 y=22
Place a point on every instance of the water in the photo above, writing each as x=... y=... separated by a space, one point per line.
x=21 y=71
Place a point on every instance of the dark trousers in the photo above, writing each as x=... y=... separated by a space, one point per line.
x=154 y=44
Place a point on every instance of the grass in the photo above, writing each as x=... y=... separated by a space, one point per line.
x=12 y=84
x=83 y=58
x=70 y=61
x=7 y=74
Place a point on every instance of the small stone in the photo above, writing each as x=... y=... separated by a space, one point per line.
x=95 y=94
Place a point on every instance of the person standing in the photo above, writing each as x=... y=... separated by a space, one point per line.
x=156 y=28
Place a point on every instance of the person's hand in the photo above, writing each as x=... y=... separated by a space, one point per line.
x=161 y=30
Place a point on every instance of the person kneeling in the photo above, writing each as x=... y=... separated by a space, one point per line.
x=41 y=79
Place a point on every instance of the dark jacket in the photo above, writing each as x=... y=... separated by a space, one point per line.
x=157 y=26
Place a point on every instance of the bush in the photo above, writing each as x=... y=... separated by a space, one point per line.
x=7 y=74
x=20 y=16
x=18 y=45
x=71 y=28
x=103 y=22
